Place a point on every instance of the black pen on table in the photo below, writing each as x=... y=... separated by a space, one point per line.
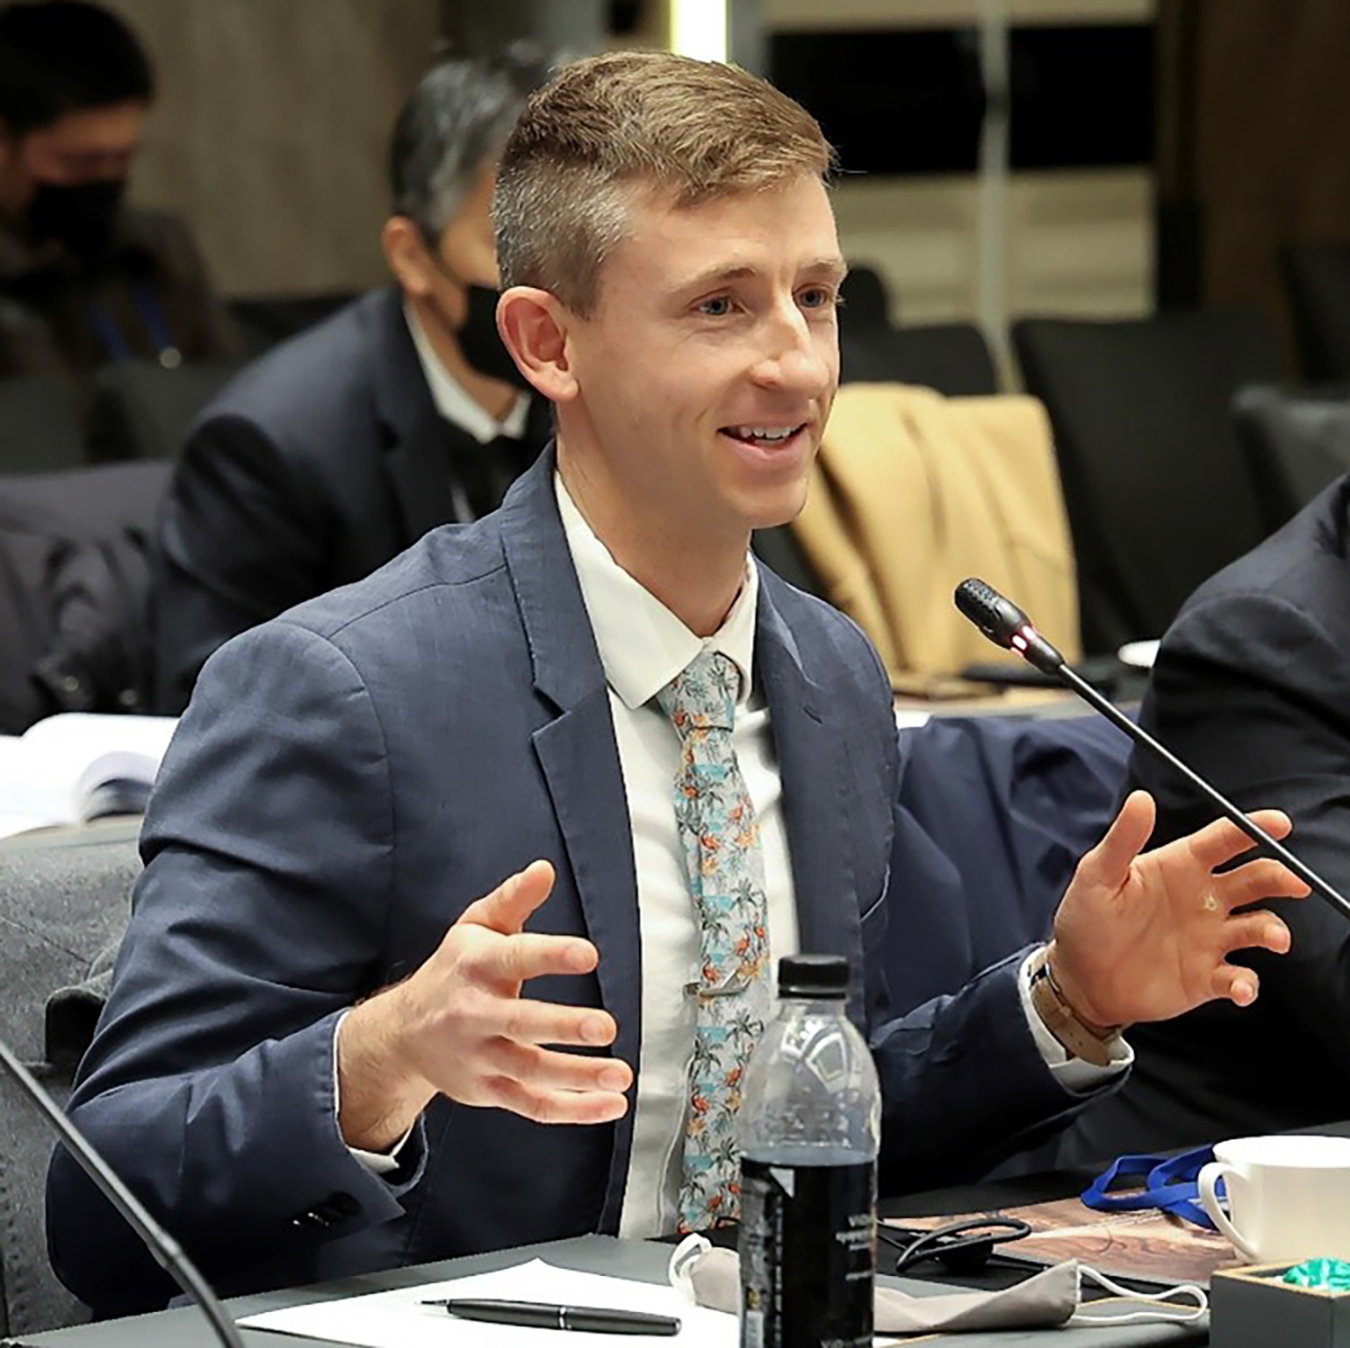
x=541 y=1315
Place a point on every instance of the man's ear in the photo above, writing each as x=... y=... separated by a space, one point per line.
x=533 y=326
x=406 y=253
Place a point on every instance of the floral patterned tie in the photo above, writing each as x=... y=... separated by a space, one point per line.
x=719 y=841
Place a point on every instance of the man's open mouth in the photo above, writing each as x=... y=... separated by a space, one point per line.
x=766 y=437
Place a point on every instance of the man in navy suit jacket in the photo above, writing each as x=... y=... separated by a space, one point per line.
x=317 y=1058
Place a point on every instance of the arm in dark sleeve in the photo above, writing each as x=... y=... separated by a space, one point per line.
x=260 y=918
x=1254 y=693
x=240 y=540
x=964 y=1085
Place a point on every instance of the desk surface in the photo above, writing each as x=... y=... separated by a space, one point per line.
x=642 y=1260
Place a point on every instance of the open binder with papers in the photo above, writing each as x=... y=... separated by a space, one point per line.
x=77 y=766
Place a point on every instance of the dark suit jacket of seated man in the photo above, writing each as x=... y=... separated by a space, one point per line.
x=404 y=411
x=316 y=1058
x=1252 y=688
x=319 y=463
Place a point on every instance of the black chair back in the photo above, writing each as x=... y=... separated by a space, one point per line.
x=952 y=358
x=41 y=425
x=1155 y=483
x=1317 y=282
x=143 y=411
x=262 y=321
x=867 y=300
x=1297 y=443
x=74 y=590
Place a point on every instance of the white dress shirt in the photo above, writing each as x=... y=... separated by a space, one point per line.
x=459 y=409
x=643 y=645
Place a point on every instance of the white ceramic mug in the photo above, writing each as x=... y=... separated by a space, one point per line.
x=1288 y=1197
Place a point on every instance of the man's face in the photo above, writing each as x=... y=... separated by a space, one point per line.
x=92 y=145
x=706 y=373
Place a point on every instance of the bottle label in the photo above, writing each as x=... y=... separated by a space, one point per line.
x=808 y=1254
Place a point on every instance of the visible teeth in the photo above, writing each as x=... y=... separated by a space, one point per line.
x=764 y=433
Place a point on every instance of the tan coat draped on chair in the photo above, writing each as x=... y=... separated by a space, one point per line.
x=913 y=492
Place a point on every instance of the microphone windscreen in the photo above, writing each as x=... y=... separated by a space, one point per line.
x=998 y=618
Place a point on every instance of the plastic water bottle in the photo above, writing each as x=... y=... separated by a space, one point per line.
x=809 y=1129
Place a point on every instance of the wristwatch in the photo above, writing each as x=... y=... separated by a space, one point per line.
x=1078 y=1040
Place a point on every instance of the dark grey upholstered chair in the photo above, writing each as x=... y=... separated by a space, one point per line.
x=143 y=411
x=1317 y=281
x=74 y=589
x=64 y=903
x=41 y=425
x=1155 y=481
x=1297 y=443
x=953 y=358
x=261 y=321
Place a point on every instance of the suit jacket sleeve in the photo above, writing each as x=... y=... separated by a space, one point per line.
x=260 y=918
x=964 y=1085
x=239 y=542
x=1250 y=690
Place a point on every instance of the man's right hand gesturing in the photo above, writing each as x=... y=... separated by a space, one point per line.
x=459 y=1027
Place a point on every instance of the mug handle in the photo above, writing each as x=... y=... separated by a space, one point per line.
x=1209 y=1176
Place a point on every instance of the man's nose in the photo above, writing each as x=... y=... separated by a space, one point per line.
x=795 y=354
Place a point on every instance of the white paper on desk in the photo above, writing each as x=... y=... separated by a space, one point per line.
x=396 y=1320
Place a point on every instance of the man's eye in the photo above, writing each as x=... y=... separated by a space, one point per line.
x=716 y=307
x=817 y=297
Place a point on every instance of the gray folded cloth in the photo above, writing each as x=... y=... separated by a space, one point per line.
x=72 y=1012
x=1042 y=1301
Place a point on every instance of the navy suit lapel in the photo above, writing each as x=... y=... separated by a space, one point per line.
x=814 y=771
x=417 y=459
x=579 y=757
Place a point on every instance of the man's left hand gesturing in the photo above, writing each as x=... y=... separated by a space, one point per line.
x=1145 y=935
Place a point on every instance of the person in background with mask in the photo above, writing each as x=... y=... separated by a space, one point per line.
x=337 y=450
x=83 y=278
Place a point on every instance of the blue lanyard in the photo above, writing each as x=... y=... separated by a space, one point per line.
x=1167 y=1184
x=147 y=305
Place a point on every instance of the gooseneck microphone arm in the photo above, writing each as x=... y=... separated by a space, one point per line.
x=168 y=1253
x=1007 y=626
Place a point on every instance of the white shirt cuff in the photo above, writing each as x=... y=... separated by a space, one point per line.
x=1072 y=1073
x=378 y=1163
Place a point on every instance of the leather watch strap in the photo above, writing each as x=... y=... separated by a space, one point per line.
x=1077 y=1038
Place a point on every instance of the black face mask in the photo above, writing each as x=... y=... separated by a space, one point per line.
x=477 y=335
x=80 y=217
x=480 y=341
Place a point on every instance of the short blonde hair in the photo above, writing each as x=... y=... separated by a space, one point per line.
x=608 y=127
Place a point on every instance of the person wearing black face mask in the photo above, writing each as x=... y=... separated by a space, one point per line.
x=83 y=278
x=402 y=412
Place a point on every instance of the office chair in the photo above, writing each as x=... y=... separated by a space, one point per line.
x=62 y=905
x=1297 y=442
x=143 y=411
x=1317 y=283
x=1157 y=488
x=41 y=428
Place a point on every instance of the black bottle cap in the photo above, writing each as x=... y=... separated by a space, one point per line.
x=823 y=976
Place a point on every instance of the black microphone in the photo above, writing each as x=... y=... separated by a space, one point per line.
x=168 y=1253
x=1007 y=626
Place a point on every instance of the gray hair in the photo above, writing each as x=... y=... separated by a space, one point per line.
x=456 y=122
